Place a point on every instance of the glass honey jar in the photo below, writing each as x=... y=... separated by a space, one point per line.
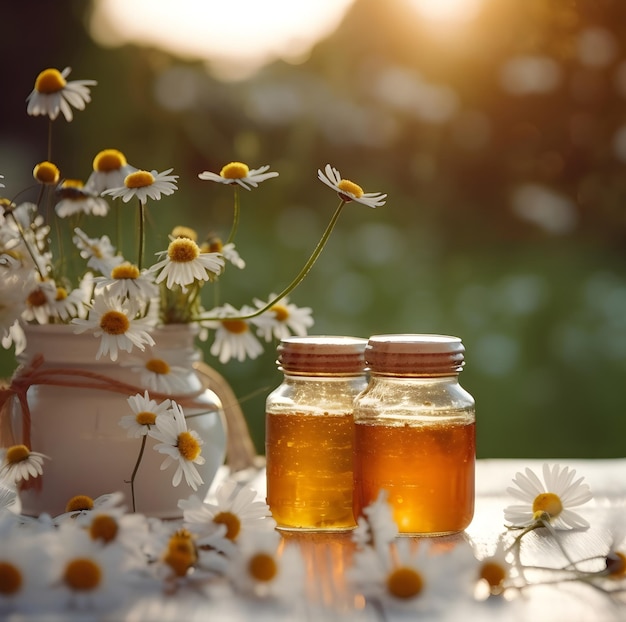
x=415 y=434
x=309 y=432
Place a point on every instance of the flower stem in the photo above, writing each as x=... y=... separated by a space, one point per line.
x=235 y=226
x=142 y=233
x=134 y=473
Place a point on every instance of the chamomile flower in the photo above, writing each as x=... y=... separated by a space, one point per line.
x=115 y=323
x=348 y=190
x=181 y=446
x=551 y=500
x=19 y=463
x=184 y=264
x=53 y=94
x=156 y=374
x=127 y=281
x=233 y=336
x=264 y=569
x=214 y=244
x=99 y=252
x=79 y=507
x=145 y=413
x=239 y=173
x=493 y=573
x=144 y=184
x=236 y=507
x=74 y=198
x=282 y=319
x=110 y=169
x=46 y=173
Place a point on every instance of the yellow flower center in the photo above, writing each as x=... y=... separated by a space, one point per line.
x=50 y=81
x=181 y=553
x=547 y=503
x=145 y=418
x=71 y=189
x=125 y=270
x=232 y=522
x=10 y=579
x=235 y=170
x=36 y=298
x=82 y=574
x=262 y=567
x=17 y=453
x=61 y=293
x=46 y=173
x=184 y=232
x=72 y=183
x=280 y=312
x=404 y=582
x=79 y=503
x=345 y=185
x=237 y=327
x=493 y=573
x=114 y=323
x=103 y=527
x=158 y=366
x=139 y=179
x=188 y=446
x=616 y=564
x=109 y=160
x=183 y=250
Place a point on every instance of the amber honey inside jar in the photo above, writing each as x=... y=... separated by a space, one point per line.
x=309 y=433
x=415 y=434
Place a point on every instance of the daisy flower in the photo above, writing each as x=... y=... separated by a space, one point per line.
x=214 y=245
x=99 y=252
x=233 y=337
x=348 y=190
x=282 y=319
x=80 y=506
x=239 y=173
x=144 y=184
x=493 y=573
x=377 y=527
x=19 y=463
x=46 y=173
x=127 y=281
x=116 y=324
x=110 y=169
x=53 y=94
x=184 y=264
x=76 y=199
x=236 y=507
x=263 y=568
x=550 y=500
x=181 y=446
x=156 y=374
x=145 y=413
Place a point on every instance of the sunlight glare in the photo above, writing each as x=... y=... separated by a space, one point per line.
x=236 y=39
x=447 y=10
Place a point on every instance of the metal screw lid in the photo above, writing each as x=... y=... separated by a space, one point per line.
x=322 y=355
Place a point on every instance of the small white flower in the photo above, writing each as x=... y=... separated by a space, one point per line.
x=18 y=463
x=181 y=446
x=348 y=190
x=263 y=569
x=233 y=337
x=110 y=169
x=99 y=252
x=53 y=94
x=157 y=374
x=76 y=199
x=239 y=173
x=377 y=526
x=550 y=499
x=127 y=281
x=236 y=507
x=145 y=413
x=144 y=184
x=80 y=507
x=185 y=264
x=282 y=319
x=115 y=323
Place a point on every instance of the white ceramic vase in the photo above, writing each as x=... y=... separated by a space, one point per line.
x=78 y=427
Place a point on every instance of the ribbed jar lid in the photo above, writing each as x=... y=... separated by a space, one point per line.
x=322 y=355
x=414 y=354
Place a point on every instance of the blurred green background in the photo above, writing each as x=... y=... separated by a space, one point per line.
x=500 y=140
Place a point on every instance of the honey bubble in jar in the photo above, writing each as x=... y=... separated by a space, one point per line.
x=415 y=434
x=309 y=432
